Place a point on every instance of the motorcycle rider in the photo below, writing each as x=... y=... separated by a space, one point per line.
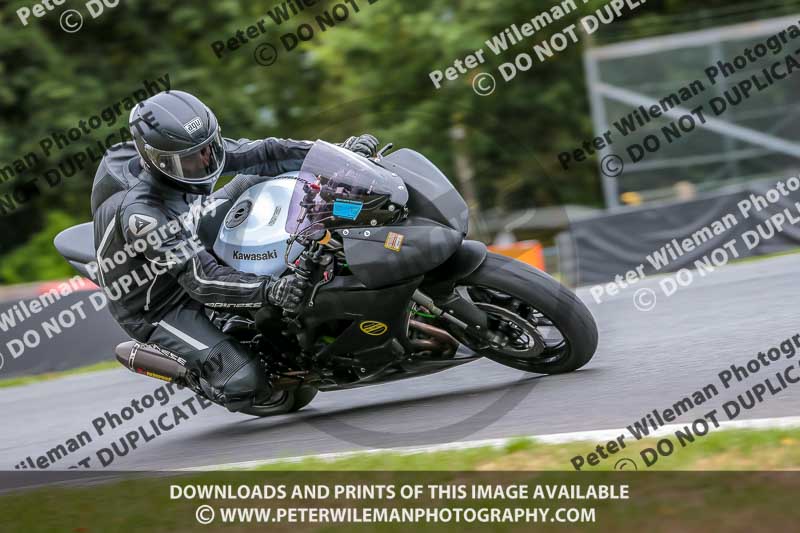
x=180 y=154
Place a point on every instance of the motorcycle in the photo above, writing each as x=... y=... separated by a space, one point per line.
x=396 y=290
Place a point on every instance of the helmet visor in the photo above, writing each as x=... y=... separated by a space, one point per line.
x=194 y=165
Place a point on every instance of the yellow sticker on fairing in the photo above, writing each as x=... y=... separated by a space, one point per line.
x=394 y=241
x=374 y=328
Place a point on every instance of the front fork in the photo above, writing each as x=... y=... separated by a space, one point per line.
x=463 y=314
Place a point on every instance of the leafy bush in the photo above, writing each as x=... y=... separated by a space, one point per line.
x=36 y=260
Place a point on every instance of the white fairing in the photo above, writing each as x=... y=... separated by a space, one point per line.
x=254 y=241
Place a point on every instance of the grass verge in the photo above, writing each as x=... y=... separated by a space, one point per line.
x=27 y=380
x=755 y=450
x=755 y=258
x=660 y=502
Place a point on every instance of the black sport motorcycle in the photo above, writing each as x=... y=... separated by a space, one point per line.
x=395 y=289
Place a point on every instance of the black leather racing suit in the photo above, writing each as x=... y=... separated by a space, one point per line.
x=158 y=277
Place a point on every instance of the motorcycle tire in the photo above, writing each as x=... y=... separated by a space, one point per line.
x=283 y=403
x=521 y=282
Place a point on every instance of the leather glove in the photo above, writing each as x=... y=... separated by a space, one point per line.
x=365 y=145
x=287 y=293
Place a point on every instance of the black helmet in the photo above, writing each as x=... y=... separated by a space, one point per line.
x=179 y=139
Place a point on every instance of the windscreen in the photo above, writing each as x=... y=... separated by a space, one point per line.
x=338 y=188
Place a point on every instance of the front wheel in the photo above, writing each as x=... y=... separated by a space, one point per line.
x=543 y=327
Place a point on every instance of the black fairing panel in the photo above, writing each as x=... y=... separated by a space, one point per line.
x=425 y=245
x=464 y=262
x=345 y=299
x=430 y=194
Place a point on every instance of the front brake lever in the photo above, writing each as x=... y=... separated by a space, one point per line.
x=327 y=277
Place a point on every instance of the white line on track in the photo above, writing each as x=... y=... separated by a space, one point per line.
x=601 y=435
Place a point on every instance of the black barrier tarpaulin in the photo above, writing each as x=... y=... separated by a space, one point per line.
x=53 y=333
x=662 y=238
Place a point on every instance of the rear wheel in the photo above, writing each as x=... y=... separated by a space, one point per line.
x=283 y=402
x=538 y=324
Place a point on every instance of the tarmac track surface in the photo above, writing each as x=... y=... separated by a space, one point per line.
x=645 y=361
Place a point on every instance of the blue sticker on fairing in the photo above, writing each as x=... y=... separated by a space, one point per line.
x=348 y=209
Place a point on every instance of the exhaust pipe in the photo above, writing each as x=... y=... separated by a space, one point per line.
x=146 y=360
x=440 y=340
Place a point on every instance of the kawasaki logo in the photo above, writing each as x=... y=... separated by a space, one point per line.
x=266 y=256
